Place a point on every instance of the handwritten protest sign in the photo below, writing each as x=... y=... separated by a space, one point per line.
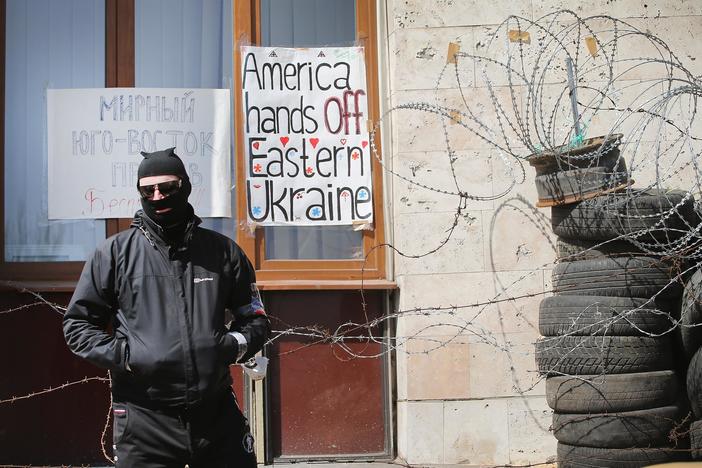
x=306 y=136
x=95 y=137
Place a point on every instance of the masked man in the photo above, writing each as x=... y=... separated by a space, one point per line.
x=151 y=306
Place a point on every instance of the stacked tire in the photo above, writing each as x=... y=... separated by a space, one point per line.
x=607 y=349
x=691 y=334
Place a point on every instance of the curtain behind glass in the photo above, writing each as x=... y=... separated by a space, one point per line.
x=186 y=44
x=310 y=23
x=49 y=44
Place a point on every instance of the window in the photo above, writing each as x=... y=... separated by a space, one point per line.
x=308 y=253
x=49 y=44
x=285 y=24
x=185 y=44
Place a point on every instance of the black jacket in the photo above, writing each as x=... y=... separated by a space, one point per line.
x=166 y=307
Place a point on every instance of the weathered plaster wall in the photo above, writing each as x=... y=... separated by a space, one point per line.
x=475 y=398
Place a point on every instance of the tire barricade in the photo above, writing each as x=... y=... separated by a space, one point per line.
x=612 y=345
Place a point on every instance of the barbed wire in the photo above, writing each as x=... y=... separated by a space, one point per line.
x=84 y=380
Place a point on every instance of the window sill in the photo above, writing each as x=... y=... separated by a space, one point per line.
x=313 y=285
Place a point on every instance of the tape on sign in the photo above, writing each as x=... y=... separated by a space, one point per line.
x=591 y=44
x=453 y=49
x=515 y=35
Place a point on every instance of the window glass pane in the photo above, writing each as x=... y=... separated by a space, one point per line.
x=186 y=44
x=49 y=44
x=310 y=23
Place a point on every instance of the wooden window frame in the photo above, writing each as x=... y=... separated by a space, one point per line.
x=283 y=274
x=119 y=72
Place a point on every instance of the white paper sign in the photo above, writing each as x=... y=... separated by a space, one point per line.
x=308 y=158
x=95 y=137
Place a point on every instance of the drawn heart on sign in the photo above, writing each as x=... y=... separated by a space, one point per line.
x=256 y=144
x=313 y=142
x=257 y=186
x=284 y=140
x=343 y=141
x=364 y=143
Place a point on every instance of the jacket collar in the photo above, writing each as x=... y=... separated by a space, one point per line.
x=155 y=234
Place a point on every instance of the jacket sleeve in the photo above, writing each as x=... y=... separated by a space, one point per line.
x=251 y=327
x=91 y=310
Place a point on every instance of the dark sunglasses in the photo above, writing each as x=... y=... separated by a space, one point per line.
x=165 y=188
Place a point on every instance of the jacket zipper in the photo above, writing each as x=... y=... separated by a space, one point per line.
x=180 y=276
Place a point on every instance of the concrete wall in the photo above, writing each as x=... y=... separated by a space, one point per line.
x=467 y=388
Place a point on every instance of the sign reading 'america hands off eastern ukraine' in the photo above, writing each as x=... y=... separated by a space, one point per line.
x=306 y=137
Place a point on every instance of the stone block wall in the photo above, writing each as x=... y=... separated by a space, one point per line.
x=467 y=388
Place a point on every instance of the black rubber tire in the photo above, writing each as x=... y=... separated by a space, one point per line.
x=601 y=315
x=609 y=216
x=614 y=392
x=691 y=315
x=627 y=276
x=568 y=250
x=585 y=355
x=641 y=428
x=577 y=184
x=694 y=384
x=696 y=440
x=571 y=456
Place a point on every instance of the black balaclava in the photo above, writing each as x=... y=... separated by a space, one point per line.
x=159 y=163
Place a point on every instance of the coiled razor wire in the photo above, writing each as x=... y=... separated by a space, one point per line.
x=649 y=96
